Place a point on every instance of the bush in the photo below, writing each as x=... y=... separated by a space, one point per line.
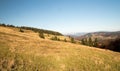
x=58 y=39
x=72 y=40
x=41 y=35
x=21 y=30
x=65 y=40
x=55 y=38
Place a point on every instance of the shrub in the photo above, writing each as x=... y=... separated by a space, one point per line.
x=41 y=35
x=65 y=40
x=72 y=40
x=21 y=30
x=58 y=39
x=55 y=38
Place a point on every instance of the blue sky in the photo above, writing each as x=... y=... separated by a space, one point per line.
x=65 y=16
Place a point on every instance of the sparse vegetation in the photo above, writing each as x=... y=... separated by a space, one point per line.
x=55 y=38
x=26 y=52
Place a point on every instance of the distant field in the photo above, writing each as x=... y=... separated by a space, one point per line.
x=28 y=52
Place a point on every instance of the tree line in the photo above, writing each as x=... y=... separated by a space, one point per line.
x=113 y=45
x=41 y=30
x=33 y=29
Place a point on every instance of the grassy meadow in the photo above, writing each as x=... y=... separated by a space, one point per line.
x=28 y=52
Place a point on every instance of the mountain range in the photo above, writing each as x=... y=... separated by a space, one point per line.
x=102 y=35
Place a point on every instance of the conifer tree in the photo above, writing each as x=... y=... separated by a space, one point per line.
x=83 y=42
x=55 y=38
x=90 y=42
x=95 y=42
x=72 y=40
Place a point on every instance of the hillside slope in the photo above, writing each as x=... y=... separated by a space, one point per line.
x=28 y=52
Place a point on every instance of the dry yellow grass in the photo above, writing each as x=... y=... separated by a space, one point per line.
x=35 y=53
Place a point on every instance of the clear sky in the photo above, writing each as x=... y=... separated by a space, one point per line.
x=64 y=16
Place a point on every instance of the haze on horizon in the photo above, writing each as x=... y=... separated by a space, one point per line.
x=64 y=16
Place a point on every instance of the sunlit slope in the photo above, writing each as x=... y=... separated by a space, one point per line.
x=28 y=52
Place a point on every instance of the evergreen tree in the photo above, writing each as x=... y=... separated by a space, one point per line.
x=83 y=42
x=72 y=40
x=95 y=42
x=55 y=38
x=90 y=42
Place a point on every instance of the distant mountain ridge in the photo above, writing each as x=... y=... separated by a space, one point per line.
x=100 y=35
x=75 y=34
